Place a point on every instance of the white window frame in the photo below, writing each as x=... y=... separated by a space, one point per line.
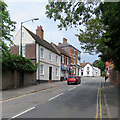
x=74 y=61
x=50 y=56
x=56 y=59
x=42 y=73
x=41 y=55
x=67 y=61
x=63 y=59
x=56 y=71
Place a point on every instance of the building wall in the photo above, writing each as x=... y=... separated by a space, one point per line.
x=46 y=62
x=26 y=39
x=90 y=70
x=14 y=50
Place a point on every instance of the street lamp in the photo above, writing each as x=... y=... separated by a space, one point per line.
x=21 y=31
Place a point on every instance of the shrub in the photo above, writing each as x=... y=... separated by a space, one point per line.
x=19 y=63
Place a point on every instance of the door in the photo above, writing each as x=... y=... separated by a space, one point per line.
x=50 y=73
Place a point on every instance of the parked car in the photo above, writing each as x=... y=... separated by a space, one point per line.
x=74 y=79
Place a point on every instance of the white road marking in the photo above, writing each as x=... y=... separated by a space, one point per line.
x=55 y=96
x=23 y=112
x=79 y=85
x=71 y=88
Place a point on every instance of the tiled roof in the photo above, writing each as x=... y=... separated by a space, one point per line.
x=62 y=45
x=62 y=51
x=83 y=64
x=42 y=42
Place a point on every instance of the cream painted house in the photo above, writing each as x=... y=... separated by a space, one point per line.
x=39 y=50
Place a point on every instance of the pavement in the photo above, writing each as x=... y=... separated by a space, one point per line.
x=110 y=101
x=12 y=93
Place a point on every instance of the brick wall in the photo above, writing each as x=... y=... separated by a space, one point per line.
x=30 y=51
x=115 y=77
x=14 y=50
x=10 y=79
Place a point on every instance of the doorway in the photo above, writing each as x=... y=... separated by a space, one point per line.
x=50 y=73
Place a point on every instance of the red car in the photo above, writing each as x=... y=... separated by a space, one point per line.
x=74 y=79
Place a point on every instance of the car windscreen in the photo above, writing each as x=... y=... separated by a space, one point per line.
x=71 y=77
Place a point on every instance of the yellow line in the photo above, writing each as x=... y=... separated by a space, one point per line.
x=99 y=103
x=34 y=92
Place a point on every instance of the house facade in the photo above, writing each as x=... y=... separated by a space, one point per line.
x=74 y=63
x=89 y=71
x=35 y=48
x=65 y=58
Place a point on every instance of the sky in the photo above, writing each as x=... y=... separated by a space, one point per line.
x=22 y=10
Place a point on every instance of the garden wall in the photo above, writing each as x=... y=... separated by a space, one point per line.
x=115 y=77
x=11 y=79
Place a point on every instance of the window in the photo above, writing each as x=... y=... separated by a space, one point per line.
x=88 y=73
x=67 y=61
x=50 y=56
x=87 y=68
x=23 y=50
x=42 y=69
x=56 y=59
x=42 y=53
x=56 y=71
x=62 y=58
x=74 y=61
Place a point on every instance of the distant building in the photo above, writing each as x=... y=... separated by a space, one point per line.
x=65 y=58
x=37 y=49
x=89 y=71
x=75 y=58
x=109 y=66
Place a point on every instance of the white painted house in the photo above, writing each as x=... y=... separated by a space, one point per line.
x=39 y=50
x=89 y=71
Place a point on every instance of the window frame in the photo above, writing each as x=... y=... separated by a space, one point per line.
x=43 y=69
x=41 y=53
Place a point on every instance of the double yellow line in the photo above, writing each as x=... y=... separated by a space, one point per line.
x=99 y=108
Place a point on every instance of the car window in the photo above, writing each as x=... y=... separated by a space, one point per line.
x=71 y=77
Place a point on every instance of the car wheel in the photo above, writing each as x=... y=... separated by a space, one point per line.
x=67 y=83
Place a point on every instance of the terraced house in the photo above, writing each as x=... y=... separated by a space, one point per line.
x=75 y=57
x=37 y=49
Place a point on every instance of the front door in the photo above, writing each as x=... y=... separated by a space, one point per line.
x=50 y=73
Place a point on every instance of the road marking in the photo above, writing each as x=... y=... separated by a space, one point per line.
x=79 y=85
x=107 y=107
x=99 y=108
x=33 y=92
x=55 y=96
x=23 y=112
x=71 y=88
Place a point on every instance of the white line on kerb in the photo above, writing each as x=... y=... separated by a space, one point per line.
x=71 y=88
x=23 y=112
x=55 y=96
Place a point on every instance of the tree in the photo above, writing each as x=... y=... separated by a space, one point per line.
x=101 y=20
x=101 y=65
x=6 y=27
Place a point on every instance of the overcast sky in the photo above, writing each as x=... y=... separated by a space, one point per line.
x=20 y=11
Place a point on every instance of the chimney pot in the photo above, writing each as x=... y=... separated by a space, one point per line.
x=64 y=40
x=40 y=31
x=59 y=43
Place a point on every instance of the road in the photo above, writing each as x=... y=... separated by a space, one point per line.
x=64 y=101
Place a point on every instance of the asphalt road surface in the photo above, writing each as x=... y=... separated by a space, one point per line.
x=64 y=101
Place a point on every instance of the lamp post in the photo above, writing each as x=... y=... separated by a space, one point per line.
x=21 y=33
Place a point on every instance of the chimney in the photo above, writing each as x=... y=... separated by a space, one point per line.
x=40 y=31
x=84 y=61
x=64 y=40
x=59 y=43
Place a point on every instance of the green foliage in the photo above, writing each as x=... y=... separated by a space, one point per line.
x=101 y=65
x=6 y=27
x=19 y=63
x=102 y=23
